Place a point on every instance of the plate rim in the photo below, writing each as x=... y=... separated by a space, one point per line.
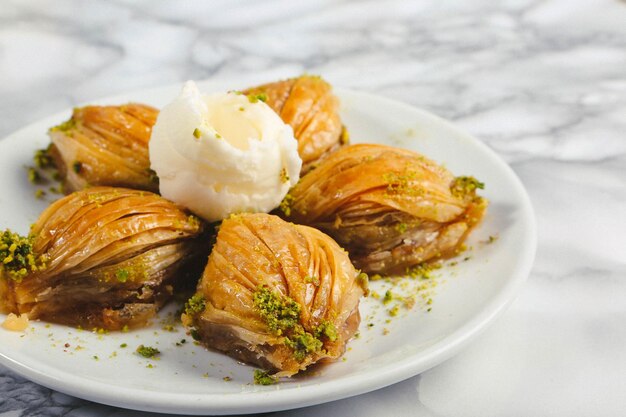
x=347 y=386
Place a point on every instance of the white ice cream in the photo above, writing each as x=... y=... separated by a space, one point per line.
x=223 y=153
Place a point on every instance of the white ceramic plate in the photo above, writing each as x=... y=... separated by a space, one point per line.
x=190 y=380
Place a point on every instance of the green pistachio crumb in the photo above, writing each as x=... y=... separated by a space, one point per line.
x=423 y=270
x=344 y=139
x=264 y=378
x=285 y=205
x=34 y=176
x=122 y=275
x=462 y=186
x=195 y=305
x=402 y=183
x=253 y=98
x=17 y=257
x=195 y=334
x=303 y=343
x=42 y=159
x=388 y=297
x=362 y=279
x=401 y=227
x=327 y=330
x=279 y=312
x=147 y=351
x=65 y=126
x=197 y=133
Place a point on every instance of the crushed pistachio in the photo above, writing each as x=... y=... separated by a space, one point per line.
x=376 y=277
x=328 y=330
x=16 y=255
x=280 y=313
x=264 y=378
x=362 y=279
x=42 y=159
x=401 y=227
x=33 y=175
x=284 y=177
x=388 y=297
x=131 y=271
x=147 y=351
x=285 y=205
x=195 y=305
x=40 y=193
x=253 y=98
x=423 y=270
x=57 y=190
x=401 y=183
x=303 y=343
x=122 y=275
x=123 y=345
x=197 y=133
x=195 y=334
x=226 y=379
x=462 y=186
x=65 y=126
x=344 y=138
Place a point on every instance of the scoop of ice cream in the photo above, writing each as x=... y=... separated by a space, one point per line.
x=223 y=153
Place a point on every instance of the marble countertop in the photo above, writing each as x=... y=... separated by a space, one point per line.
x=543 y=83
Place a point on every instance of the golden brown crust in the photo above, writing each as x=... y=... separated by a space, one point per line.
x=262 y=251
x=309 y=106
x=390 y=208
x=105 y=145
x=113 y=257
